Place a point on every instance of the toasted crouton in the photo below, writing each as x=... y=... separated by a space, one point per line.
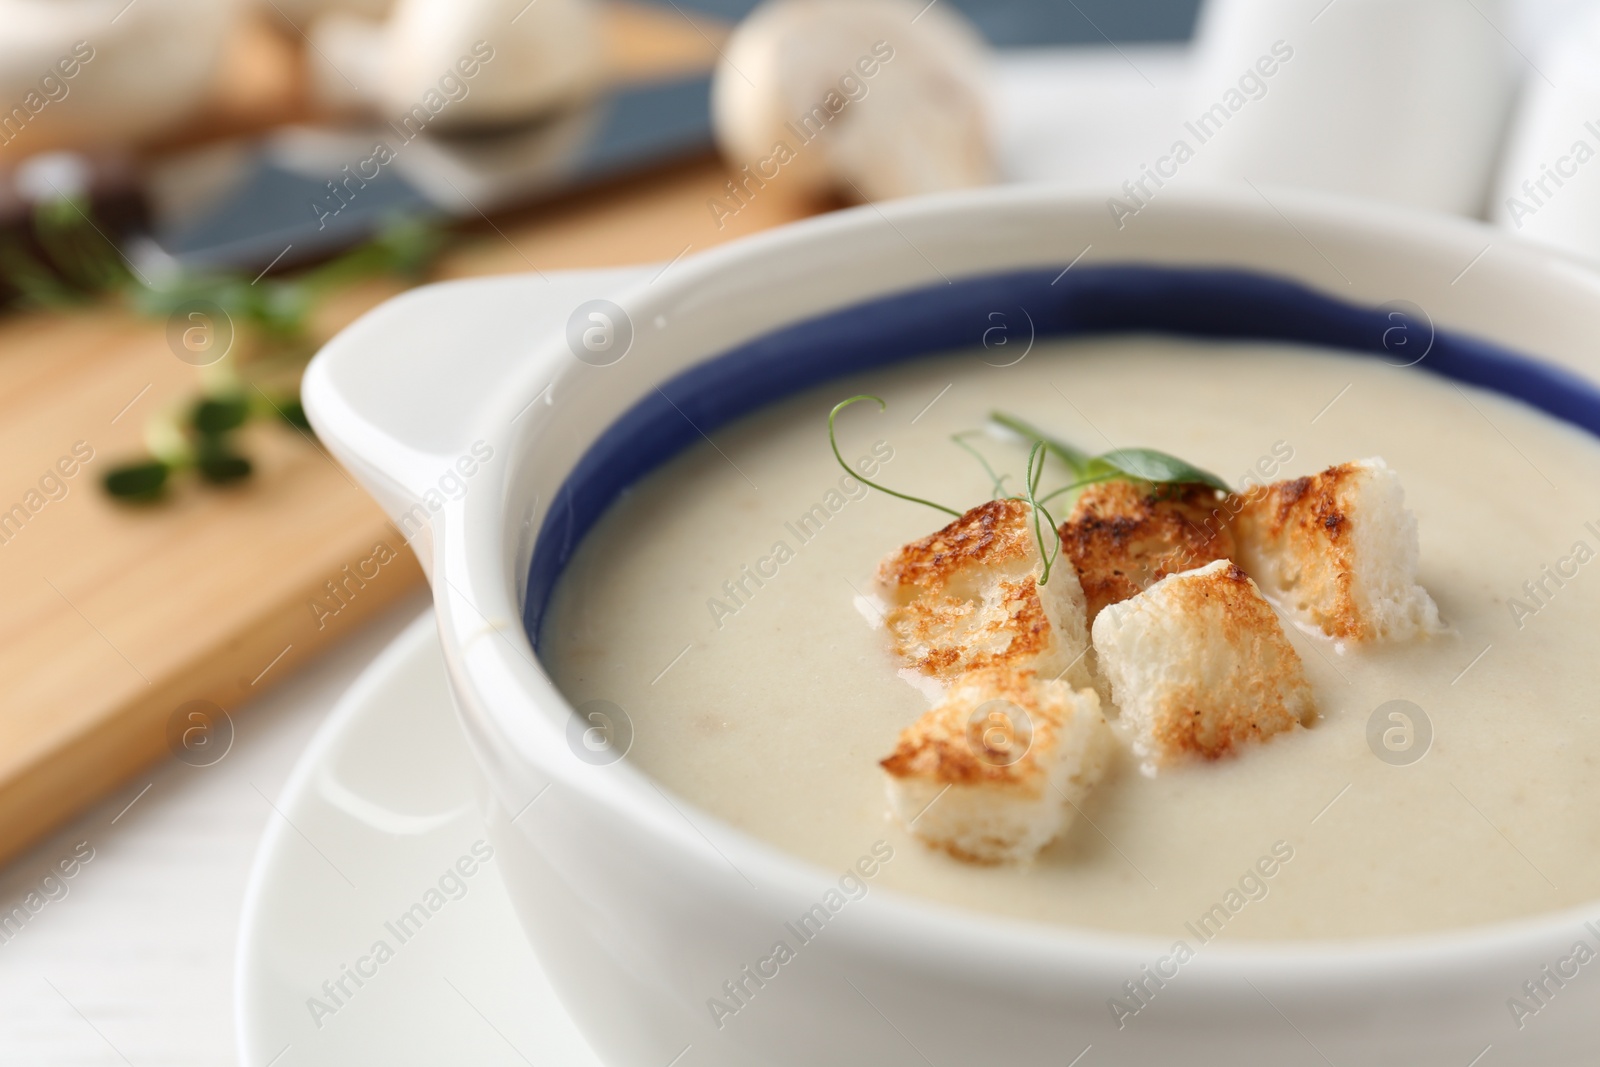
x=1123 y=536
x=991 y=773
x=1339 y=550
x=969 y=597
x=1199 y=665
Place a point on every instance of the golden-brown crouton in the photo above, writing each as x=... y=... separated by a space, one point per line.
x=969 y=597
x=1123 y=536
x=1199 y=665
x=991 y=773
x=1339 y=550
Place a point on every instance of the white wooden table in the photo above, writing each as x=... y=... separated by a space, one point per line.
x=134 y=964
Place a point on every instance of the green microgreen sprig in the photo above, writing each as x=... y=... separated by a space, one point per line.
x=834 y=441
x=1132 y=464
x=1031 y=481
x=1147 y=465
x=1076 y=459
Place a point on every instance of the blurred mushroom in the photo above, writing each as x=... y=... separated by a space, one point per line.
x=468 y=63
x=869 y=98
x=105 y=72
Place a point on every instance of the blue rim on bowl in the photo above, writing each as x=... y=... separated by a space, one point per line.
x=1201 y=303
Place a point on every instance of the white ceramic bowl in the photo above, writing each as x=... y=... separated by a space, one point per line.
x=465 y=411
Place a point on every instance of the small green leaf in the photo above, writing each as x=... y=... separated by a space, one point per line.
x=222 y=467
x=218 y=415
x=1075 y=458
x=1141 y=464
x=1149 y=465
x=137 y=481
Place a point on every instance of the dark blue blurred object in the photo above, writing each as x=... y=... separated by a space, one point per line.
x=281 y=214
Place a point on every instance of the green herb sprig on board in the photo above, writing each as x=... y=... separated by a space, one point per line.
x=60 y=258
x=273 y=315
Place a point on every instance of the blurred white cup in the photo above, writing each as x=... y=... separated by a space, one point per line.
x=1549 y=188
x=1396 y=100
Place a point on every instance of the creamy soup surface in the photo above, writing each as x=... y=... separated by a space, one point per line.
x=775 y=715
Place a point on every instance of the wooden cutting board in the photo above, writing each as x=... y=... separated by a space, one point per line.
x=116 y=619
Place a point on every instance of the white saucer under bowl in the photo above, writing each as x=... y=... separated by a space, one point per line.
x=378 y=823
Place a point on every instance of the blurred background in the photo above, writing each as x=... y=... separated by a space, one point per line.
x=195 y=194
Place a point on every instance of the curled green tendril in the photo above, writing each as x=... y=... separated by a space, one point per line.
x=1031 y=482
x=833 y=441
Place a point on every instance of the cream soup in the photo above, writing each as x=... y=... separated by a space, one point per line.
x=769 y=706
